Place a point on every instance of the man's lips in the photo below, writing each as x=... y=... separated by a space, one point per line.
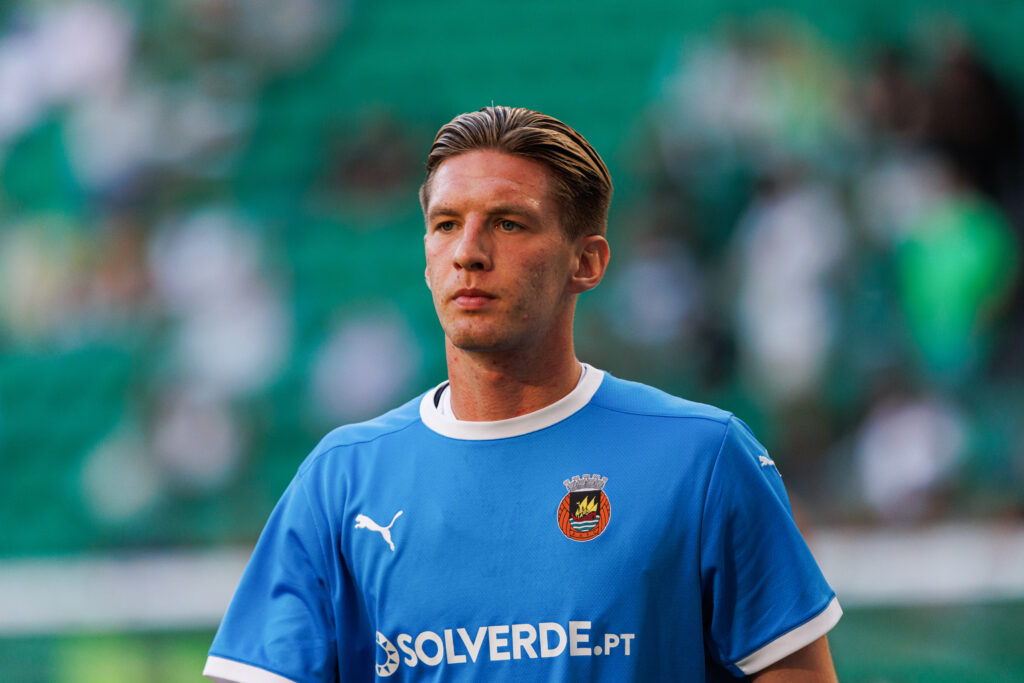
x=471 y=299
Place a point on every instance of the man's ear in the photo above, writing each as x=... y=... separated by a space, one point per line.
x=592 y=256
x=426 y=269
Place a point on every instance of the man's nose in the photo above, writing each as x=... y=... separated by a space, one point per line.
x=474 y=248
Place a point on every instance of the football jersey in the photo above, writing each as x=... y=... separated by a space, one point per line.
x=619 y=534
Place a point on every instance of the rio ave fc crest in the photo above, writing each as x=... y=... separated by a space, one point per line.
x=585 y=510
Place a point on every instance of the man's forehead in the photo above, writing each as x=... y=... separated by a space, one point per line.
x=480 y=174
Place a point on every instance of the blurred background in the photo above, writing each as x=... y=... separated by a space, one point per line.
x=210 y=255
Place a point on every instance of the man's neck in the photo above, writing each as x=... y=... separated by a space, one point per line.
x=498 y=386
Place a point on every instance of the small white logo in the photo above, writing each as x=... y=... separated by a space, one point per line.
x=766 y=461
x=364 y=522
x=390 y=664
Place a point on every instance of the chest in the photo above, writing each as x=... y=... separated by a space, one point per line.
x=542 y=558
x=506 y=531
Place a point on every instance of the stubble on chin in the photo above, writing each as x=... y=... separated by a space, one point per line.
x=472 y=335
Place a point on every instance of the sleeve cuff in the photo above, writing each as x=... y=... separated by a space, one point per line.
x=790 y=642
x=229 y=671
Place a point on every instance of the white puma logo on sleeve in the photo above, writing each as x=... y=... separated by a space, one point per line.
x=364 y=522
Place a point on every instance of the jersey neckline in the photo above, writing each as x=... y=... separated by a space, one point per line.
x=447 y=425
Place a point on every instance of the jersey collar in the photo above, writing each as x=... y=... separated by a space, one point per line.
x=447 y=425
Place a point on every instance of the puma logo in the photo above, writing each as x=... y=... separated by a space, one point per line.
x=766 y=461
x=364 y=522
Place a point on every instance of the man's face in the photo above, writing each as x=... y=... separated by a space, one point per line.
x=498 y=263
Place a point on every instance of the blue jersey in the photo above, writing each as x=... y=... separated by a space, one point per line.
x=619 y=534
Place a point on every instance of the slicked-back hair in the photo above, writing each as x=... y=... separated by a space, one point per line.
x=581 y=182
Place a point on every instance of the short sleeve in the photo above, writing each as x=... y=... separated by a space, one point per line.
x=279 y=626
x=764 y=595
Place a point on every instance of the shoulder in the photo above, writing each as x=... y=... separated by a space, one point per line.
x=665 y=416
x=635 y=398
x=351 y=436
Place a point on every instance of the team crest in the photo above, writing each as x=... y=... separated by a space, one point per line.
x=585 y=510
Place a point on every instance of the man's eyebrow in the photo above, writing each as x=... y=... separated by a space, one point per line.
x=515 y=209
x=518 y=209
x=440 y=211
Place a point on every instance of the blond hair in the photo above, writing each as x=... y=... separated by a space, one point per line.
x=582 y=184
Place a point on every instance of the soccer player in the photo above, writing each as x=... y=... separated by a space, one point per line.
x=533 y=518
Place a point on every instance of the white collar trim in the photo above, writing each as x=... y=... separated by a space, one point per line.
x=447 y=425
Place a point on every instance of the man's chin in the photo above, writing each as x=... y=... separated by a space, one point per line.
x=479 y=342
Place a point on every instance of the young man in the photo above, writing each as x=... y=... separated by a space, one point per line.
x=533 y=518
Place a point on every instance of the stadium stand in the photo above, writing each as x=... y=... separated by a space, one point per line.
x=209 y=247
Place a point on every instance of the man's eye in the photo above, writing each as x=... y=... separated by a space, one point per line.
x=446 y=226
x=508 y=226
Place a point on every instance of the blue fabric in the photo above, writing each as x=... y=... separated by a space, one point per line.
x=700 y=563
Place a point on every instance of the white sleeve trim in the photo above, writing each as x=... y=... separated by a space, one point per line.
x=790 y=642
x=229 y=671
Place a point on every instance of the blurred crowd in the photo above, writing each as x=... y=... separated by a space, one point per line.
x=834 y=248
x=827 y=244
